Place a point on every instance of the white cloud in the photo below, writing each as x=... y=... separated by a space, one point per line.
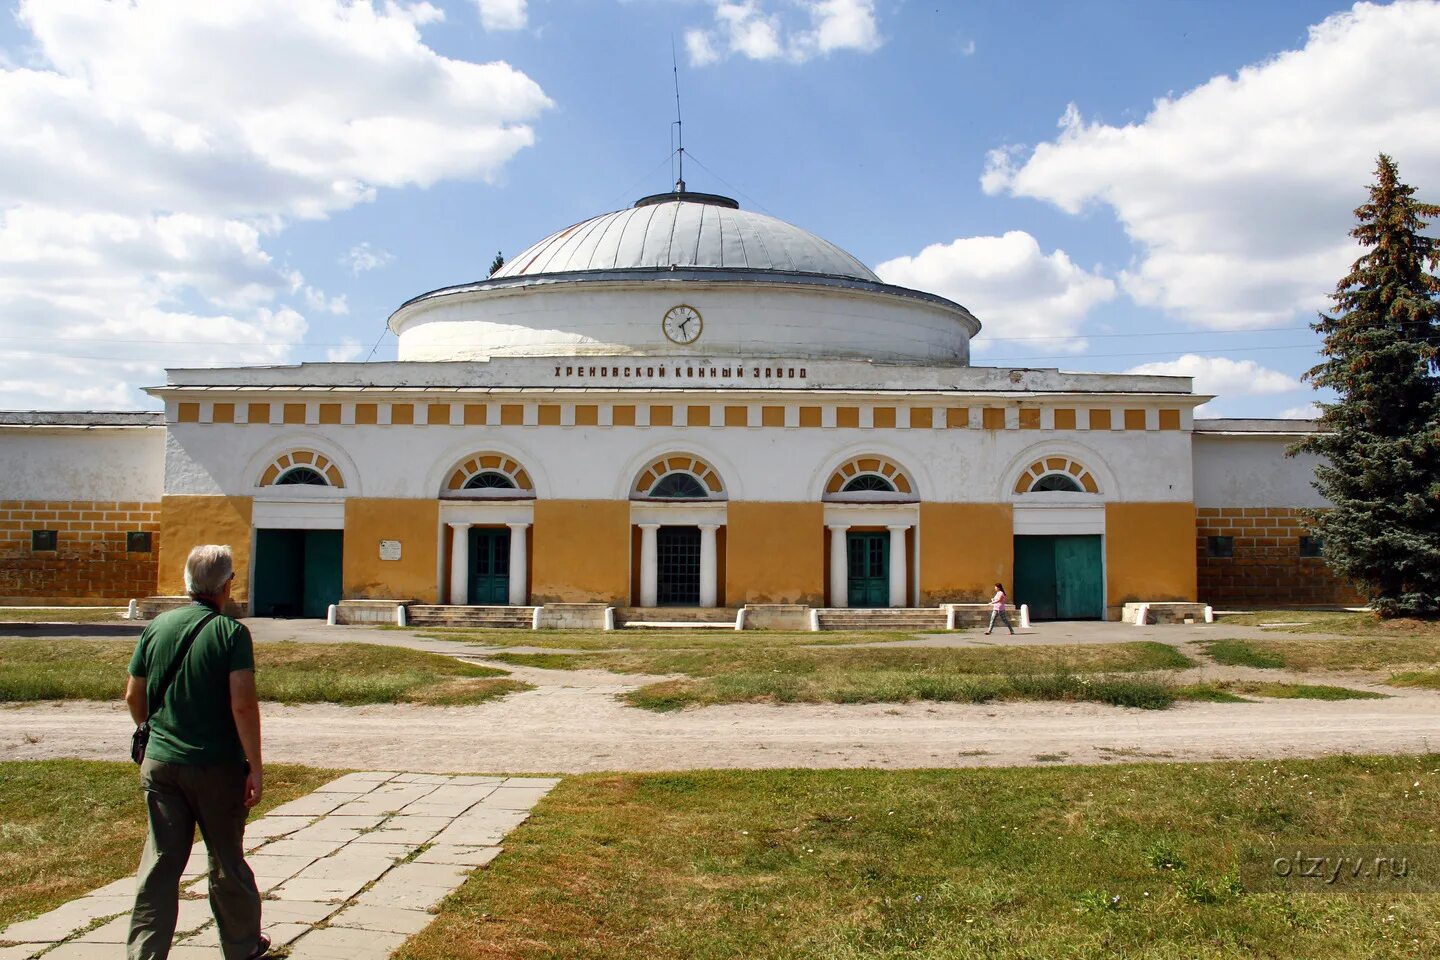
x=1307 y=411
x=1222 y=376
x=749 y=29
x=138 y=190
x=349 y=349
x=363 y=257
x=502 y=14
x=1240 y=192
x=1014 y=287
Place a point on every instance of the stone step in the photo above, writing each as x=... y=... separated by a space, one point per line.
x=675 y=618
x=502 y=618
x=881 y=618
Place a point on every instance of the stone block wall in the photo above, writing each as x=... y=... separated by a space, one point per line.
x=1266 y=569
x=90 y=565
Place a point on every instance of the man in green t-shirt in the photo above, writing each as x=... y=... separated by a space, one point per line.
x=202 y=764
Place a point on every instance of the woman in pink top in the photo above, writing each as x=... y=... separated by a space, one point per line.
x=997 y=609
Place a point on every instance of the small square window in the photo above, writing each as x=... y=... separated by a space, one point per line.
x=44 y=540
x=1311 y=546
x=1222 y=546
x=137 y=541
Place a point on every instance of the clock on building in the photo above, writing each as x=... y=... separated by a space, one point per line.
x=682 y=324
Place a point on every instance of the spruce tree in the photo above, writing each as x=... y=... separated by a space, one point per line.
x=1381 y=437
x=497 y=263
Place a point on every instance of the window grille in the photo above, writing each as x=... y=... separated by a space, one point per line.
x=1056 y=482
x=678 y=486
x=868 y=482
x=304 y=476
x=490 y=480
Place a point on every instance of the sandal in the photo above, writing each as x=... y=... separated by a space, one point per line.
x=261 y=950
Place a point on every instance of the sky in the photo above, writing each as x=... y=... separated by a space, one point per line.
x=1158 y=187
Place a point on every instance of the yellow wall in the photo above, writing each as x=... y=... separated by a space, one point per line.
x=775 y=553
x=1149 y=553
x=187 y=522
x=581 y=552
x=964 y=549
x=416 y=524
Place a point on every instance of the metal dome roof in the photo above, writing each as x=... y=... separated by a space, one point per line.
x=685 y=230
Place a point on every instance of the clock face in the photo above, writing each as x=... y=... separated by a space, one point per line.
x=682 y=324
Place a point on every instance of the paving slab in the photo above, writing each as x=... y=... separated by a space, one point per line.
x=66 y=919
x=368 y=855
x=461 y=856
x=369 y=916
x=338 y=943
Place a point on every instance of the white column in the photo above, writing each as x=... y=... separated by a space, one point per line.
x=460 y=563
x=649 y=569
x=897 y=566
x=517 y=563
x=839 y=567
x=708 y=588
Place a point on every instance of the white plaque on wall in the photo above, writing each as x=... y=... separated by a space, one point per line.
x=389 y=549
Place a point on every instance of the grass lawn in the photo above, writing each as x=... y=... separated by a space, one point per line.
x=354 y=673
x=1303 y=691
x=1136 y=860
x=655 y=639
x=1359 y=653
x=69 y=826
x=1339 y=622
x=61 y=614
x=885 y=675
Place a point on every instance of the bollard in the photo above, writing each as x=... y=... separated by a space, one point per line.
x=1142 y=613
x=1024 y=616
x=950 y=616
x=330 y=615
x=609 y=618
x=1209 y=614
x=740 y=619
x=535 y=618
x=814 y=620
x=402 y=616
x=133 y=613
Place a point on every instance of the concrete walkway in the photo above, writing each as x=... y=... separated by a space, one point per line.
x=348 y=872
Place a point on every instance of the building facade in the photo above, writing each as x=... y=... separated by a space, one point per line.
x=677 y=404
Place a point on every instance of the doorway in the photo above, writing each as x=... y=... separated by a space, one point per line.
x=677 y=561
x=868 y=561
x=297 y=572
x=489 y=566
x=1060 y=577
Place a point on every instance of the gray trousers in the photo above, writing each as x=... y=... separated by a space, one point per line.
x=179 y=797
x=1003 y=618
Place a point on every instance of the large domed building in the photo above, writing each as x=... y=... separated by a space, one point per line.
x=682 y=404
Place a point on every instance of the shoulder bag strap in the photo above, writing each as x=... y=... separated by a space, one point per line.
x=165 y=681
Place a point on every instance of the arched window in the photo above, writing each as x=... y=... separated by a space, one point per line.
x=678 y=476
x=302 y=468
x=302 y=475
x=868 y=482
x=1058 y=482
x=1058 y=474
x=678 y=486
x=869 y=477
x=489 y=480
x=486 y=474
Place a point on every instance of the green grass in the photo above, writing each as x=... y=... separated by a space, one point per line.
x=885 y=675
x=1208 y=692
x=1125 y=860
x=656 y=639
x=354 y=673
x=1241 y=653
x=1337 y=622
x=1428 y=679
x=1304 y=691
x=69 y=826
x=61 y=614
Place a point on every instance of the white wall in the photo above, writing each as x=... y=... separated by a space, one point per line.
x=755 y=463
x=1241 y=471
x=624 y=319
x=93 y=463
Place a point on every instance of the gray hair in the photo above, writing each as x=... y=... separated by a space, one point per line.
x=207 y=570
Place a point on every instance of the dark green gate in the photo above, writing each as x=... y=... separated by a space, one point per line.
x=297 y=572
x=489 y=565
x=677 y=574
x=1060 y=577
x=868 y=557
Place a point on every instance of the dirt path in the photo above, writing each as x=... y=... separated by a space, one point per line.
x=572 y=723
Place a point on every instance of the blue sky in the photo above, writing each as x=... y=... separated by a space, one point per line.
x=1109 y=186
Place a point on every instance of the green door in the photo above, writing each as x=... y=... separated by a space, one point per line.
x=677 y=567
x=297 y=572
x=323 y=552
x=1060 y=577
x=868 y=556
x=1035 y=576
x=1079 y=593
x=489 y=566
